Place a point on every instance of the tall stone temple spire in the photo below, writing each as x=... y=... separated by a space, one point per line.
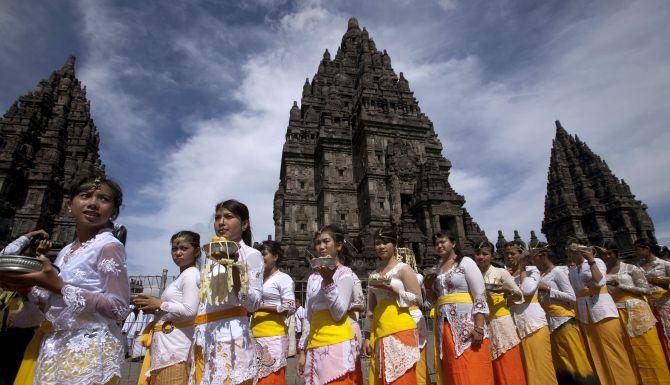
x=359 y=153
x=585 y=200
x=48 y=139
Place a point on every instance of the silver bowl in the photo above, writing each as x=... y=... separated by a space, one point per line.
x=378 y=282
x=323 y=261
x=19 y=264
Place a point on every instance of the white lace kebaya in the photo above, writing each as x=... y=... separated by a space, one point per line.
x=228 y=348
x=86 y=345
x=180 y=304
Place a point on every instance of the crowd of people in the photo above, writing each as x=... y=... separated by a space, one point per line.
x=597 y=320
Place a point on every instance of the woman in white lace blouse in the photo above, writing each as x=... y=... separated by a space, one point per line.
x=391 y=338
x=463 y=353
x=628 y=287
x=568 y=347
x=327 y=346
x=170 y=336
x=269 y=324
x=224 y=351
x=81 y=343
x=530 y=318
x=505 y=342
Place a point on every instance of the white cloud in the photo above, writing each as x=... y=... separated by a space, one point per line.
x=606 y=78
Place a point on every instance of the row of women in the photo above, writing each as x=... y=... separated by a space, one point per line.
x=532 y=323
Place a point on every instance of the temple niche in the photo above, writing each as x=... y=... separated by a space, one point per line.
x=359 y=153
x=48 y=139
x=586 y=201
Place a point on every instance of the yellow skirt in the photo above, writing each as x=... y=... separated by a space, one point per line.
x=536 y=352
x=646 y=355
x=610 y=359
x=571 y=359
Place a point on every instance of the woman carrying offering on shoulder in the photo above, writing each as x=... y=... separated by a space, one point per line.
x=327 y=346
x=269 y=323
x=501 y=290
x=557 y=298
x=391 y=338
x=530 y=318
x=463 y=353
x=169 y=337
x=598 y=317
x=628 y=287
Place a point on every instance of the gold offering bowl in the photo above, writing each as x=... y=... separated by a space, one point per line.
x=221 y=249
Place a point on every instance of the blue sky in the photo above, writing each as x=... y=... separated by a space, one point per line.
x=192 y=98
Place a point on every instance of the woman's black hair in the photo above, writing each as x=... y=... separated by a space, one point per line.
x=191 y=237
x=610 y=245
x=387 y=234
x=241 y=211
x=644 y=242
x=93 y=181
x=450 y=237
x=337 y=234
x=272 y=247
x=516 y=244
x=484 y=244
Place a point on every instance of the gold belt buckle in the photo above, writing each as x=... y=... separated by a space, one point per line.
x=167 y=327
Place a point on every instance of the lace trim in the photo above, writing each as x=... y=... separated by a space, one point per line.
x=74 y=304
x=640 y=317
x=398 y=357
x=80 y=357
x=503 y=335
x=271 y=352
x=109 y=266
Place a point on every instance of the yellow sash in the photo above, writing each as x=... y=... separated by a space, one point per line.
x=147 y=337
x=27 y=368
x=557 y=310
x=618 y=296
x=237 y=311
x=266 y=324
x=659 y=293
x=453 y=298
x=324 y=330
x=497 y=305
x=589 y=292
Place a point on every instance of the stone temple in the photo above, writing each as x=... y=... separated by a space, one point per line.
x=47 y=139
x=585 y=200
x=359 y=153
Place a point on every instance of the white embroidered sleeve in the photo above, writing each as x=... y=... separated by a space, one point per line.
x=641 y=286
x=302 y=344
x=16 y=246
x=603 y=271
x=252 y=299
x=112 y=302
x=287 y=297
x=475 y=280
x=190 y=300
x=530 y=283
x=565 y=292
x=339 y=296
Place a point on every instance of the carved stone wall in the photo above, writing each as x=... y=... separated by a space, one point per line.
x=359 y=153
x=585 y=200
x=47 y=139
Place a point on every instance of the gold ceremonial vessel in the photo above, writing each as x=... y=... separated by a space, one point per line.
x=376 y=279
x=217 y=276
x=323 y=261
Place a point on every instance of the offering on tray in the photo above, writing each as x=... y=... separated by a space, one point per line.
x=375 y=279
x=218 y=280
x=323 y=261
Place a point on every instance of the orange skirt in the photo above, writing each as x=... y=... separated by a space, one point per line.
x=473 y=367
x=661 y=336
x=407 y=337
x=508 y=368
x=358 y=372
x=274 y=378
